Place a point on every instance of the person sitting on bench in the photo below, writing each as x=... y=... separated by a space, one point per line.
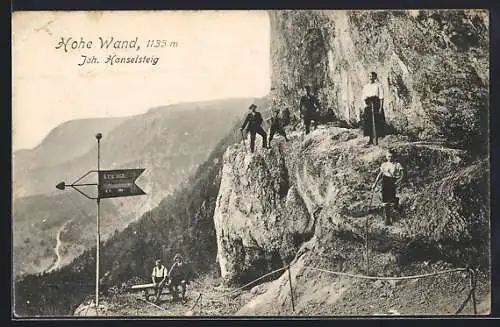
x=159 y=276
x=178 y=277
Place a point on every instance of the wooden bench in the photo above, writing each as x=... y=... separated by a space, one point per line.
x=147 y=287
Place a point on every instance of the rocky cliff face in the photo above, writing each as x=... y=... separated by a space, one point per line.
x=272 y=201
x=260 y=219
x=306 y=202
x=433 y=66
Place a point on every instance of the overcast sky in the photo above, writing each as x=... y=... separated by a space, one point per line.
x=220 y=54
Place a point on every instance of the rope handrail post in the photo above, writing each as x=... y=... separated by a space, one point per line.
x=469 y=295
x=199 y=308
x=366 y=246
x=87 y=311
x=472 y=283
x=366 y=234
x=291 y=288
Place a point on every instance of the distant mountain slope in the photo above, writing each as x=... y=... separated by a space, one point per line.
x=38 y=219
x=168 y=141
x=67 y=141
x=70 y=149
x=182 y=223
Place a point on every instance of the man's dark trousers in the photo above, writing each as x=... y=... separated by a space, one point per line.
x=257 y=130
x=307 y=121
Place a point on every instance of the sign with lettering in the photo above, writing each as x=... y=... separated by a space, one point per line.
x=118 y=183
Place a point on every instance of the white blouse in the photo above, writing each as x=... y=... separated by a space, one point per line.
x=373 y=90
x=392 y=169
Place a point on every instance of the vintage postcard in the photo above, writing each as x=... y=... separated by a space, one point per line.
x=324 y=163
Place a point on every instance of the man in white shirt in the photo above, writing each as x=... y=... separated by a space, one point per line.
x=159 y=276
x=373 y=95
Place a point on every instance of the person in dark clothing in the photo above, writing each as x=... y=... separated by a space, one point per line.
x=178 y=275
x=309 y=108
x=391 y=173
x=285 y=117
x=373 y=96
x=276 y=126
x=253 y=122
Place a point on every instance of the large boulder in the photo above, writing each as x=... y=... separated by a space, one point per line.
x=260 y=219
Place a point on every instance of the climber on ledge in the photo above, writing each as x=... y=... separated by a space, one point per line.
x=178 y=275
x=285 y=117
x=373 y=95
x=159 y=276
x=391 y=173
x=309 y=108
x=276 y=126
x=254 y=121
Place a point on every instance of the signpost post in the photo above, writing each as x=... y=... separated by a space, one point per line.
x=98 y=233
x=110 y=184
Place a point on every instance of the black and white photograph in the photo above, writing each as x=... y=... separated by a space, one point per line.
x=250 y=163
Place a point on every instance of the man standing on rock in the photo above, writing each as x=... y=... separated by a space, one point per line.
x=309 y=108
x=159 y=276
x=254 y=121
x=285 y=117
x=373 y=116
x=276 y=126
x=391 y=173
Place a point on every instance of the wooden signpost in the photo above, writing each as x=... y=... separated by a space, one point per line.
x=111 y=184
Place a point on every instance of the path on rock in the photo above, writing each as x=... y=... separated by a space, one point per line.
x=214 y=301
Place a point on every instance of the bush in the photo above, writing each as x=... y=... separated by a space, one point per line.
x=462 y=118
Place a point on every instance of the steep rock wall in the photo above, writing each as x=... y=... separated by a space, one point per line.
x=433 y=66
x=444 y=218
x=260 y=219
x=272 y=201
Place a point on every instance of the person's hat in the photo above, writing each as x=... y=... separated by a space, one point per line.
x=252 y=106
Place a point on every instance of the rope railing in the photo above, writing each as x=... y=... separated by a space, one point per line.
x=256 y=280
x=470 y=296
x=472 y=281
x=387 y=278
x=198 y=299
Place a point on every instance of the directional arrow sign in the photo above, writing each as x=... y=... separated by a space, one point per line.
x=117 y=183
